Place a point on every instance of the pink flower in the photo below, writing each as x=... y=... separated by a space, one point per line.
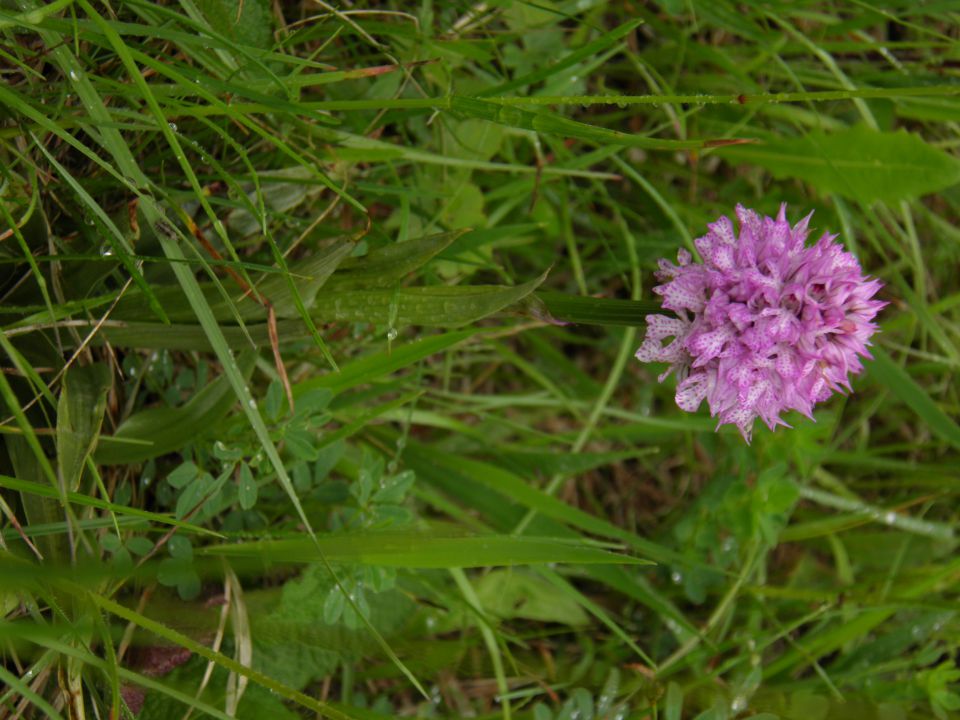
x=764 y=324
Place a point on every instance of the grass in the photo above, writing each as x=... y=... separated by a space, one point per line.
x=318 y=393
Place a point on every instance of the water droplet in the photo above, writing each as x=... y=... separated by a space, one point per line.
x=106 y=252
x=252 y=403
x=392 y=334
x=677 y=577
x=739 y=704
x=173 y=126
x=74 y=75
x=890 y=518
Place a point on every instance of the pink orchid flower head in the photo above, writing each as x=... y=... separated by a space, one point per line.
x=765 y=324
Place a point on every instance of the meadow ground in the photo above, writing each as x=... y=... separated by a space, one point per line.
x=319 y=393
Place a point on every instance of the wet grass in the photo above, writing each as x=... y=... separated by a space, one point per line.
x=318 y=391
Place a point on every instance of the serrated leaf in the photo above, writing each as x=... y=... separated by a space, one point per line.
x=859 y=163
x=297 y=644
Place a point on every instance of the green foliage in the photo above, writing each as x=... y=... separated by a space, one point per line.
x=509 y=594
x=234 y=235
x=256 y=701
x=313 y=629
x=858 y=162
x=731 y=514
x=938 y=683
x=153 y=432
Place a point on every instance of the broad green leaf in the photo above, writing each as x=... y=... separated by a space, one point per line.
x=247 y=488
x=249 y=22
x=40 y=508
x=281 y=190
x=512 y=593
x=386 y=266
x=860 y=163
x=376 y=365
x=83 y=401
x=158 y=431
x=415 y=549
x=555 y=306
x=309 y=275
x=437 y=306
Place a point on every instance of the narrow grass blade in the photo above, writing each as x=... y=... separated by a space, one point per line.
x=413 y=549
x=892 y=377
x=32 y=488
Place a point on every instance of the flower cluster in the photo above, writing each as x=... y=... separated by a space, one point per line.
x=764 y=324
